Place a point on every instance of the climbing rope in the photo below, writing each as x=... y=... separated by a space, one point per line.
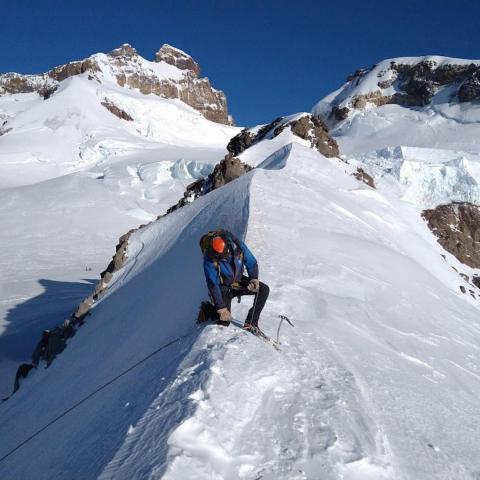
x=113 y=380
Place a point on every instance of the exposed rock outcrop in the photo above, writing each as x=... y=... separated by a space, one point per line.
x=125 y=51
x=224 y=172
x=364 y=177
x=457 y=226
x=247 y=137
x=116 y=264
x=131 y=70
x=314 y=130
x=118 y=112
x=177 y=58
x=74 y=68
x=241 y=142
x=308 y=127
x=340 y=113
x=13 y=83
x=4 y=129
x=470 y=88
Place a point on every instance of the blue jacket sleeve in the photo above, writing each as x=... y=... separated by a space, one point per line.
x=249 y=261
x=213 y=282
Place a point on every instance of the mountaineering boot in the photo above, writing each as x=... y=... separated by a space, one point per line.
x=249 y=327
x=207 y=312
x=248 y=324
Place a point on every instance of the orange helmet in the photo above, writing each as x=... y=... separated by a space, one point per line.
x=218 y=245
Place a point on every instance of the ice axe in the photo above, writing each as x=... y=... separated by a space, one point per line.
x=282 y=319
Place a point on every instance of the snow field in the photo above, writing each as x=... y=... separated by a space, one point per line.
x=392 y=125
x=363 y=377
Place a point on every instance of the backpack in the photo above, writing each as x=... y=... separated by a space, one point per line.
x=206 y=239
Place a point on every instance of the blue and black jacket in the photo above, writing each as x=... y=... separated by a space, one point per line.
x=227 y=271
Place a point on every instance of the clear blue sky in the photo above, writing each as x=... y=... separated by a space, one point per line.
x=270 y=57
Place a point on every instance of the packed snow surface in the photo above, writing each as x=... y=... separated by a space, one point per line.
x=378 y=379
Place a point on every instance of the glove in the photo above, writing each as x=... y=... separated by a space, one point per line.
x=224 y=314
x=254 y=285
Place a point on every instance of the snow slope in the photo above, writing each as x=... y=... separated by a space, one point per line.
x=73 y=178
x=383 y=348
x=393 y=125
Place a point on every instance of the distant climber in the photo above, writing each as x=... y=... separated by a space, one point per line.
x=224 y=259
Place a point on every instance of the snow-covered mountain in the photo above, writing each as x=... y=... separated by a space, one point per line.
x=88 y=151
x=108 y=105
x=379 y=378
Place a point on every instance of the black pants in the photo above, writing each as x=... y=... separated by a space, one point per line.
x=230 y=292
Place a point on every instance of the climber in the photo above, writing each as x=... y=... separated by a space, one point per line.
x=224 y=260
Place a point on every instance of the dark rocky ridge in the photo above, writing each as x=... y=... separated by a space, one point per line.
x=63 y=72
x=4 y=129
x=308 y=127
x=457 y=226
x=126 y=66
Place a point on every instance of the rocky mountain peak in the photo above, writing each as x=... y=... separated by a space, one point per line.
x=177 y=58
x=126 y=50
x=174 y=74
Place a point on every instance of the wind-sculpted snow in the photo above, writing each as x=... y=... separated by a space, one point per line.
x=152 y=301
x=277 y=160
